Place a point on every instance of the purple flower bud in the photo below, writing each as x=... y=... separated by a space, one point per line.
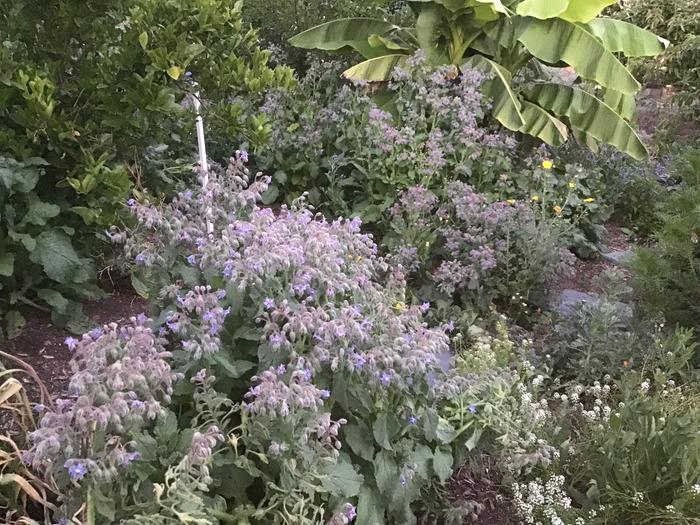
x=131 y=202
x=472 y=409
x=96 y=333
x=71 y=343
x=350 y=512
x=39 y=408
x=325 y=394
x=425 y=307
x=412 y=420
x=192 y=260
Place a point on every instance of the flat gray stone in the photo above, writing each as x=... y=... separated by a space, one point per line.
x=618 y=257
x=569 y=300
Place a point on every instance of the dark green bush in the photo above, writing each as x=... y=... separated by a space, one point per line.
x=93 y=93
x=667 y=274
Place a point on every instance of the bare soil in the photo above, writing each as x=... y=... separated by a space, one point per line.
x=41 y=343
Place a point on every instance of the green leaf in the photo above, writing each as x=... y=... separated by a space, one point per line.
x=542 y=9
x=497 y=5
x=370 y=510
x=234 y=368
x=628 y=39
x=359 y=438
x=139 y=286
x=104 y=505
x=386 y=472
x=428 y=32
x=624 y=105
x=270 y=195
x=143 y=40
x=557 y=40
x=61 y=263
x=15 y=322
x=40 y=212
x=445 y=433
x=542 y=125
x=506 y=106
x=53 y=298
x=7 y=263
x=375 y=69
x=442 y=464
x=342 y=480
x=343 y=33
x=473 y=440
x=585 y=10
x=590 y=115
x=385 y=427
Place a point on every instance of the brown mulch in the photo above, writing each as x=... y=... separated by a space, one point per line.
x=41 y=343
x=585 y=271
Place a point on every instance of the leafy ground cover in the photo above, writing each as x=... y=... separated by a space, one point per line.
x=391 y=307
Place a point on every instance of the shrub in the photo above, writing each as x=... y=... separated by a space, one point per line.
x=310 y=387
x=464 y=249
x=96 y=102
x=666 y=272
x=344 y=149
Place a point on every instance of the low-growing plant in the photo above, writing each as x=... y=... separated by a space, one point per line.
x=348 y=152
x=39 y=263
x=307 y=387
x=461 y=248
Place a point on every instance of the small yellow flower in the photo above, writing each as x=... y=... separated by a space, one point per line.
x=399 y=307
x=572 y=185
x=558 y=210
x=589 y=200
x=511 y=201
x=548 y=164
x=535 y=198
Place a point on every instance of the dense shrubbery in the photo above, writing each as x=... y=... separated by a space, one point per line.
x=679 y=22
x=295 y=368
x=92 y=111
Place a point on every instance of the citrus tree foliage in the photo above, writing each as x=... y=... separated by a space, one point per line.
x=93 y=91
x=527 y=38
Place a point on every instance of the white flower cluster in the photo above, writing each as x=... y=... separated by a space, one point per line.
x=542 y=502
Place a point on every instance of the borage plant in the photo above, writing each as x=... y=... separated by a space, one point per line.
x=310 y=388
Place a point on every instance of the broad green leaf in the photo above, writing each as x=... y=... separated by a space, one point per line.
x=628 y=39
x=175 y=72
x=385 y=427
x=343 y=33
x=506 y=106
x=445 y=432
x=234 y=368
x=428 y=32
x=450 y=5
x=143 y=40
x=342 y=480
x=422 y=458
x=473 y=439
x=370 y=510
x=590 y=115
x=15 y=322
x=386 y=472
x=23 y=176
x=624 y=105
x=497 y=5
x=442 y=464
x=585 y=10
x=359 y=438
x=557 y=40
x=139 y=286
x=375 y=69
x=540 y=124
x=542 y=9
x=40 y=212
x=7 y=264
x=53 y=298
x=60 y=261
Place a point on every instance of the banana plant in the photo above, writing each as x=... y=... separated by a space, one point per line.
x=505 y=38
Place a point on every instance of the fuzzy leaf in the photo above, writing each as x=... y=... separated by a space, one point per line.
x=54 y=299
x=342 y=480
x=61 y=263
x=7 y=263
x=358 y=437
x=40 y=212
x=15 y=322
x=385 y=428
x=386 y=472
x=370 y=510
x=442 y=464
x=234 y=368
